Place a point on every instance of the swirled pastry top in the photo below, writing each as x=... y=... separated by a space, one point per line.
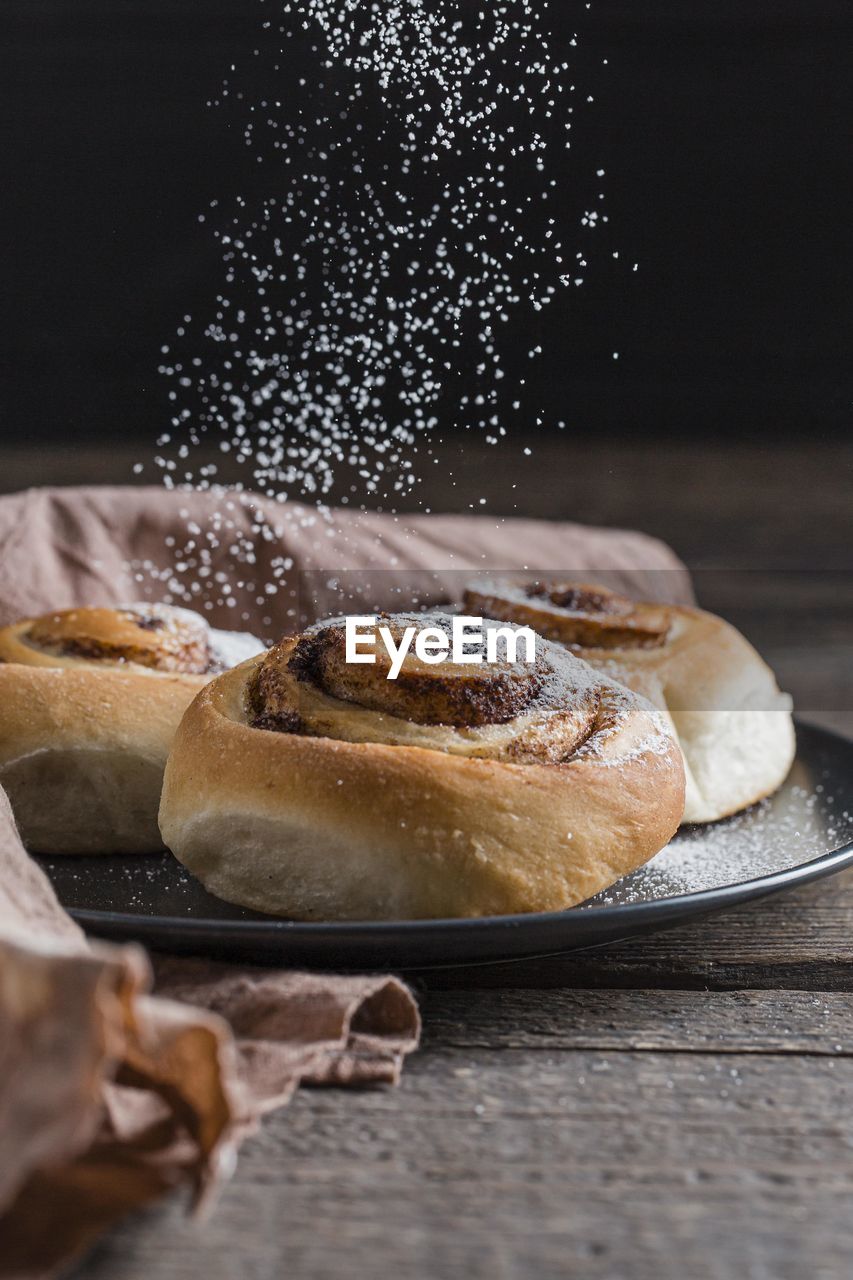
x=157 y=638
x=545 y=711
x=575 y=614
x=683 y=658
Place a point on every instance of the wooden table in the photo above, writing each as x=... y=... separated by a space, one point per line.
x=675 y=1108
x=680 y=1106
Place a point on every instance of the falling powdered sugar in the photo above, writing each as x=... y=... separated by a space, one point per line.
x=410 y=210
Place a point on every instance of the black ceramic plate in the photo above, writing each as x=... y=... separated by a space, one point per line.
x=803 y=832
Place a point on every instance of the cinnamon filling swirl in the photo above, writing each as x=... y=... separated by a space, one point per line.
x=542 y=710
x=153 y=636
x=579 y=615
x=425 y=693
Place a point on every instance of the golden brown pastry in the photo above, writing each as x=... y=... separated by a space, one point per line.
x=733 y=724
x=303 y=785
x=89 y=703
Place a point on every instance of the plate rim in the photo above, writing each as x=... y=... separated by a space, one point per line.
x=641 y=914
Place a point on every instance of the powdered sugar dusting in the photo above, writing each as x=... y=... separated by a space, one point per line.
x=801 y=822
x=228 y=648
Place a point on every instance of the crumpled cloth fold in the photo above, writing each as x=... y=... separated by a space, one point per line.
x=108 y=545
x=111 y=1096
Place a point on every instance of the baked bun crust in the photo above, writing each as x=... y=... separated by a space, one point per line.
x=91 y=699
x=732 y=722
x=443 y=793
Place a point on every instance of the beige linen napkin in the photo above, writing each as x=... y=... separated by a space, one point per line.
x=110 y=1095
x=63 y=547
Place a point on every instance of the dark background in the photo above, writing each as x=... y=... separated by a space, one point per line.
x=724 y=128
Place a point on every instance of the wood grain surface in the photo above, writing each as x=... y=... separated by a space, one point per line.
x=673 y=1108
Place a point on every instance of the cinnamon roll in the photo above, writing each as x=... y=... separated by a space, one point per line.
x=732 y=722
x=304 y=785
x=91 y=699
